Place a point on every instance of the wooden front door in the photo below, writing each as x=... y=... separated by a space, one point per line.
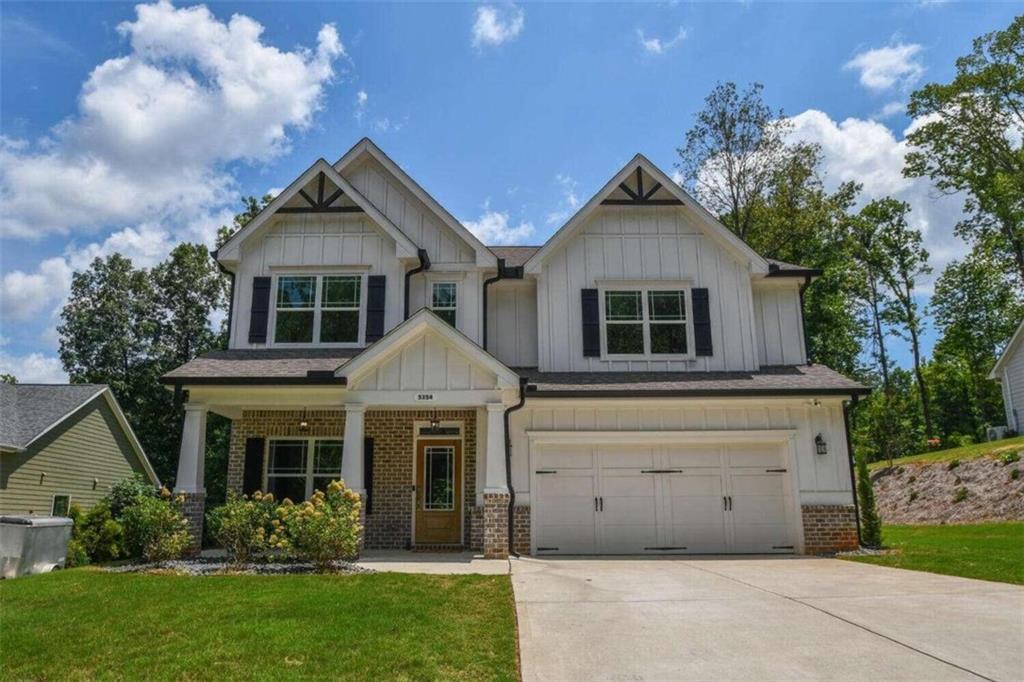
x=438 y=492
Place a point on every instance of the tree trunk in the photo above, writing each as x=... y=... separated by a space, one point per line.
x=883 y=359
x=915 y=346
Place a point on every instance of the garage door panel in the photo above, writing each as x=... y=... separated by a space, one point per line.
x=614 y=484
x=680 y=485
x=625 y=456
x=759 y=538
x=751 y=510
x=755 y=455
x=566 y=539
x=628 y=538
x=756 y=483
x=566 y=499
x=699 y=538
x=678 y=456
x=565 y=457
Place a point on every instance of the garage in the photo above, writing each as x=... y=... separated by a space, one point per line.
x=610 y=497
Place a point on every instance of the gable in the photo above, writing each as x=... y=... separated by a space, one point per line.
x=410 y=207
x=1011 y=350
x=637 y=191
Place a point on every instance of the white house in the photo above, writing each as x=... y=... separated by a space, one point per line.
x=1009 y=372
x=639 y=384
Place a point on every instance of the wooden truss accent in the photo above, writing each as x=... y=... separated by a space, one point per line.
x=320 y=204
x=638 y=197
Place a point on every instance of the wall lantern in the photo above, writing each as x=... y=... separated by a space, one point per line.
x=434 y=421
x=820 y=446
x=303 y=422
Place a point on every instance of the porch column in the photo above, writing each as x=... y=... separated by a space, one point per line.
x=352 y=455
x=496 y=494
x=191 y=465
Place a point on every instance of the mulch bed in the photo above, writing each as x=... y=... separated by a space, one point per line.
x=202 y=566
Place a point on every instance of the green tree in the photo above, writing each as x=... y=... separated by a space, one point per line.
x=189 y=289
x=870 y=521
x=868 y=254
x=251 y=208
x=8 y=379
x=968 y=139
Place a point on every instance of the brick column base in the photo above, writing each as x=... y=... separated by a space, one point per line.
x=193 y=509
x=495 y=525
x=829 y=529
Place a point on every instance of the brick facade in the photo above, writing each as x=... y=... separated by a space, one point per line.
x=829 y=529
x=193 y=509
x=495 y=525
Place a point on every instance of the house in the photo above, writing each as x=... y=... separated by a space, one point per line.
x=1009 y=372
x=639 y=384
x=62 y=444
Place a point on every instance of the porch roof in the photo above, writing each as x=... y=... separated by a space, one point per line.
x=264 y=366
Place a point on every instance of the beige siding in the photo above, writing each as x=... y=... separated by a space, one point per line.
x=89 y=445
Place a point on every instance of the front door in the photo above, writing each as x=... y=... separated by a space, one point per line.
x=438 y=492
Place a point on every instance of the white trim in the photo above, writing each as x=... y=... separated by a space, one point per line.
x=230 y=251
x=645 y=321
x=713 y=227
x=484 y=256
x=1004 y=357
x=648 y=437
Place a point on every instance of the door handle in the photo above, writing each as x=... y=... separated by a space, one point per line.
x=730 y=503
x=725 y=503
x=595 y=504
x=602 y=504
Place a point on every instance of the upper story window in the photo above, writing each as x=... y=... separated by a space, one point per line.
x=444 y=300
x=318 y=309
x=647 y=321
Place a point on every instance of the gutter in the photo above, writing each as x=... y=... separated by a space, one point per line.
x=504 y=272
x=424 y=265
x=847 y=406
x=698 y=393
x=231 y=296
x=508 y=466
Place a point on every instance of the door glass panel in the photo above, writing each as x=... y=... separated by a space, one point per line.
x=439 y=478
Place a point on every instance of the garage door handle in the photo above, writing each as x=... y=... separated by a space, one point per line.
x=775 y=471
x=545 y=471
x=661 y=471
x=602 y=503
x=595 y=504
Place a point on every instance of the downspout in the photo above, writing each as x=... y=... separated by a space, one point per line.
x=503 y=273
x=847 y=406
x=231 y=296
x=803 y=320
x=424 y=265
x=508 y=467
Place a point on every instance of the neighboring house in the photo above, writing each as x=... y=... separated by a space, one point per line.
x=62 y=444
x=669 y=403
x=1009 y=372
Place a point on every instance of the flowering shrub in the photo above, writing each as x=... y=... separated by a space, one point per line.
x=155 y=528
x=245 y=526
x=324 y=528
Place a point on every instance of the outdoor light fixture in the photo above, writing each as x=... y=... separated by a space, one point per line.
x=434 y=421
x=303 y=423
x=820 y=446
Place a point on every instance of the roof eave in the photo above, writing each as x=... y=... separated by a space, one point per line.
x=534 y=392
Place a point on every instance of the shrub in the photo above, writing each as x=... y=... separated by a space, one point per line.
x=1014 y=474
x=155 y=529
x=245 y=526
x=128 y=492
x=1009 y=457
x=960 y=495
x=870 y=521
x=76 y=554
x=101 y=536
x=953 y=464
x=913 y=495
x=324 y=528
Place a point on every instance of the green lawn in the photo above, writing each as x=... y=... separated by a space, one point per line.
x=992 y=449
x=988 y=551
x=84 y=624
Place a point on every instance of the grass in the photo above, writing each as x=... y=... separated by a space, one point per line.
x=967 y=452
x=85 y=624
x=987 y=551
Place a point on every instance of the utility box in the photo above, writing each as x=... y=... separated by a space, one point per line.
x=33 y=544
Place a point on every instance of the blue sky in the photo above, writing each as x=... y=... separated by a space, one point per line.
x=134 y=127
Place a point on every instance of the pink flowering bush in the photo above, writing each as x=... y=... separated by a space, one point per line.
x=324 y=528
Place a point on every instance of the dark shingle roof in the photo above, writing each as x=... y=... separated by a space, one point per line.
x=262 y=365
x=514 y=255
x=770 y=380
x=27 y=410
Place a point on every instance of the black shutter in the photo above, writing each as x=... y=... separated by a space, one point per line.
x=368 y=472
x=701 y=322
x=260 y=310
x=376 y=289
x=252 y=480
x=591 y=324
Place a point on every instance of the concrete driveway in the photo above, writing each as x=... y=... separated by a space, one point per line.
x=761 y=619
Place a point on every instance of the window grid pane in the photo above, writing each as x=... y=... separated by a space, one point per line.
x=439 y=479
x=287 y=457
x=328 y=457
x=666 y=305
x=646 y=322
x=623 y=305
x=296 y=292
x=341 y=292
x=444 y=301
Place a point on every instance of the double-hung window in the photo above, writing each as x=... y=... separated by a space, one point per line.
x=646 y=321
x=444 y=300
x=298 y=466
x=318 y=309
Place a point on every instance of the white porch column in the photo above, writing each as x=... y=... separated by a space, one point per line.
x=494 y=477
x=352 y=455
x=192 y=457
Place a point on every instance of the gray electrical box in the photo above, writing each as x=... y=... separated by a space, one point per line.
x=33 y=544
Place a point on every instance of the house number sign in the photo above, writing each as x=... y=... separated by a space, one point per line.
x=424 y=397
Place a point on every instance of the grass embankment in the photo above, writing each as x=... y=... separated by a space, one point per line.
x=992 y=449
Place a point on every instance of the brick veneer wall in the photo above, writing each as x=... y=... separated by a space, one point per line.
x=495 y=525
x=193 y=509
x=829 y=529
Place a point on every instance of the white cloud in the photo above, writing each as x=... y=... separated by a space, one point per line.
x=890 y=109
x=656 y=45
x=386 y=125
x=362 y=99
x=34 y=368
x=493 y=227
x=156 y=127
x=884 y=67
x=496 y=25
x=569 y=203
x=24 y=295
x=869 y=152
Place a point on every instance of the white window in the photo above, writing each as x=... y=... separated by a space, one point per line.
x=646 y=321
x=298 y=466
x=320 y=309
x=444 y=300
x=61 y=505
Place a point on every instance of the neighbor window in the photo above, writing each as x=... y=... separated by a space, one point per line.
x=296 y=467
x=444 y=300
x=645 y=321
x=61 y=505
x=321 y=307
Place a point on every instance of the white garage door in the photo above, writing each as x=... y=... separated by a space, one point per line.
x=656 y=499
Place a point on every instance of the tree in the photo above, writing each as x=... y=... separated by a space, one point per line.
x=868 y=254
x=252 y=207
x=188 y=290
x=8 y=379
x=902 y=261
x=968 y=138
x=870 y=521
x=733 y=153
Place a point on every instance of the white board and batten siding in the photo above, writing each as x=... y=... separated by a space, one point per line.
x=512 y=322
x=779 y=323
x=427 y=363
x=468 y=297
x=821 y=479
x=651 y=244
x=316 y=243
